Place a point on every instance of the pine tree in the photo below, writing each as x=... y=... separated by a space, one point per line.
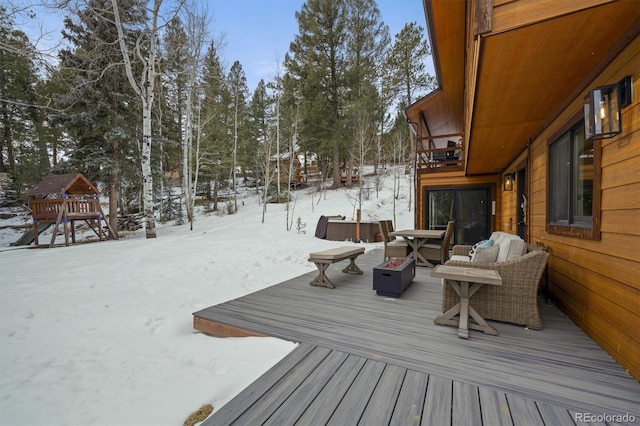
x=171 y=105
x=258 y=125
x=317 y=61
x=97 y=102
x=237 y=83
x=405 y=69
x=367 y=42
x=23 y=138
x=405 y=66
x=217 y=139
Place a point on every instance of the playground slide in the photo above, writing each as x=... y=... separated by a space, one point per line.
x=27 y=238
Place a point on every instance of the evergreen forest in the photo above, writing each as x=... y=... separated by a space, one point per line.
x=137 y=96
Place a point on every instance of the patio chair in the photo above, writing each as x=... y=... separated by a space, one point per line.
x=392 y=247
x=516 y=300
x=438 y=250
x=452 y=155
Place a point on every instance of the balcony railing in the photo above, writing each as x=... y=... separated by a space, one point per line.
x=440 y=159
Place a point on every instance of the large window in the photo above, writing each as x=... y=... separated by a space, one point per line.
x=469 y=207
x=574 y=184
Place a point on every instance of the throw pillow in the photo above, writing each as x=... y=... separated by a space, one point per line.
x=516 y=249
x=485 y=243
x=481 y=244
x=486 y=254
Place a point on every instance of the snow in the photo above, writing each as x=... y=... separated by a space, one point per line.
x=101 y=333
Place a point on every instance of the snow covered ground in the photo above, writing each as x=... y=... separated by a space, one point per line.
x=101 y=334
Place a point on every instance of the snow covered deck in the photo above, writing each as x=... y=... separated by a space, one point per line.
x=370 y=359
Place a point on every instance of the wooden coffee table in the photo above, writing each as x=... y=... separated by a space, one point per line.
x=465 y=282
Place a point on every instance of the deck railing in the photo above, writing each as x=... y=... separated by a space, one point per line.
x=77 y=208
x=440 y=159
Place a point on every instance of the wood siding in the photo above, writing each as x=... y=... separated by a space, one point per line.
x=509 y=203
x=597 y=282
x=525 y=78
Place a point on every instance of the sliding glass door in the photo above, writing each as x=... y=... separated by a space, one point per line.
x=469 y=207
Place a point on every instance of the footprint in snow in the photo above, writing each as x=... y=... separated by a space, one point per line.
x=155 y=324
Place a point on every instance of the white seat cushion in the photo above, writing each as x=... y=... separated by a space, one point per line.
x=503 y=240
x=460 y=258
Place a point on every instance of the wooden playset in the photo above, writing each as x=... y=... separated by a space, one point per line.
x=61 y=200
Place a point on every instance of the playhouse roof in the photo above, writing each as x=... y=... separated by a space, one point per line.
x=70 y=183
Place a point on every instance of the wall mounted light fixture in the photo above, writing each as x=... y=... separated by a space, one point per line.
x=602 y=108
x=509 y=178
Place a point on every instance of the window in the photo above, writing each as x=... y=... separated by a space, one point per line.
x=469 y=207
x=574 y=180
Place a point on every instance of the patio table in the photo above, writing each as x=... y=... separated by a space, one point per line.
x=465 y=282
x=416 y=238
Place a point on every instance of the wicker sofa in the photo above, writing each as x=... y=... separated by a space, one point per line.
x=516 y=300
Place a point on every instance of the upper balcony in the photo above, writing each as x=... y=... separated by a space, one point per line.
x=440 y=154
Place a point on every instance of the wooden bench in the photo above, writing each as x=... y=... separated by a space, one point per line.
x=324 y=258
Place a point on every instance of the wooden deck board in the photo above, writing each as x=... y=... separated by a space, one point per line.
x=553 y=370
x=524 y=411
x=554 y=415
x=280 y=392
x=408 y=409
x=380 y=407
x=437 y=404
x=250 y=395
x=465 y=405
x=350 y=410
x=495 y=408
x=307 y=392
x=320 y=410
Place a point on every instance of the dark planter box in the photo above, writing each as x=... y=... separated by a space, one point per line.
x=392 y=281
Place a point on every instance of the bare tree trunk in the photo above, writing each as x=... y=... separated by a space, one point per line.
x=196 y=33
x=113 y=189
x=159 y=114
x=187 y=137
x=215 y=193
x=235 y=155
x=196 y=171
x=336 y=166
x=278 y=144
x=145 y=90
x=265 y=163
x=43 y=153
x=7 y=138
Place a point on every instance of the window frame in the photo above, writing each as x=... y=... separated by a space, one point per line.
x=577 y=230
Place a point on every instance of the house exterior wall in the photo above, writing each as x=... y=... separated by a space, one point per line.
x=597 y=282
x=509 y=202
x=456 y=180
x=594 y=282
